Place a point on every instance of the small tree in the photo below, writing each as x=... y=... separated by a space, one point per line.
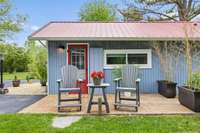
x=192 y=50
x=41 y=66
x=97 y=10
x=38 y=63
x=169 y=53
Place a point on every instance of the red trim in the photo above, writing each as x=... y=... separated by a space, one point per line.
x=69 y=59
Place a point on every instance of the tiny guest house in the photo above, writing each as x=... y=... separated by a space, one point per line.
x=102 y=46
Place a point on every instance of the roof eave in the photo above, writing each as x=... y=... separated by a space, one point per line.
x=110 y=38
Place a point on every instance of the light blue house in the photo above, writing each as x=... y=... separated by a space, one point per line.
x=102 y=46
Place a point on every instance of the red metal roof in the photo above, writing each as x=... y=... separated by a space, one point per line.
x=118 y=31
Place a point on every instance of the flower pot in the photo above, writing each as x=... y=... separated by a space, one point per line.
x=189 y=98
x=96 y=81
x=167 y=88
x=2 y=85
x=16 y=83
x=29 y=81
x=43 y=82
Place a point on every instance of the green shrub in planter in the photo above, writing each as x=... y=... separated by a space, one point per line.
x=194 y=82
x=189 y=95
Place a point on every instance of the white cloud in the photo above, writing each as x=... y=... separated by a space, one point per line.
x=34 y=27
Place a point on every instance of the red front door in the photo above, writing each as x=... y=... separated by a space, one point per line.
x=78 y=56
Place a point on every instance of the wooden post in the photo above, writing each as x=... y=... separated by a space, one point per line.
x=99 y=105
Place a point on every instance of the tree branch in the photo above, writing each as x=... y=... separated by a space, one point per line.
x=194 y=14
x=159 y=13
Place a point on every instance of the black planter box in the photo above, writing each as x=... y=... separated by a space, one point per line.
x=43 y=83
x=167 y=88
x=189 y=98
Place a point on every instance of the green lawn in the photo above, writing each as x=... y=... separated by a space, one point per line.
x=106 y=124
x=20 y=75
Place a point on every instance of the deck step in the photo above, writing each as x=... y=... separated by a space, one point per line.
x=70 y=105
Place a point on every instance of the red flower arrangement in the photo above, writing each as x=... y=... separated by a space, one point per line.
x=97 y=76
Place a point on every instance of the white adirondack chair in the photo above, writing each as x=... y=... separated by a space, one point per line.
x=69 y=83
x=129 y=82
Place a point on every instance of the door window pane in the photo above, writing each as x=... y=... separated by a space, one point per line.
x=137 y=58
x=78 y=57
x=116 y=59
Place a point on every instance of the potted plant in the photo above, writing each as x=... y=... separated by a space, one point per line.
x=168 y=55
x=43 y=74
x=16 y=82
x=43 y=82
x=189 y=95
x=97 y=77
x=167 y=88
x=28 y=79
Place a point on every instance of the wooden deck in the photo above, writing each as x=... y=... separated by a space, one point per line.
x=150 y=104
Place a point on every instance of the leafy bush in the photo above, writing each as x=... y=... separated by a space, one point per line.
x=41 y=65
x=194 y=82
x=38 y=64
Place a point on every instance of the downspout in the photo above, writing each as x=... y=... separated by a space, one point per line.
x=44 y=45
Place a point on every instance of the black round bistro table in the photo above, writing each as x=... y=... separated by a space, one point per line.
x=102 y=86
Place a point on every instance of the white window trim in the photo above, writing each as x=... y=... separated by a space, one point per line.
x=129 y=51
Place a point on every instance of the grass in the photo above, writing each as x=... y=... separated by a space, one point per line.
x=28 y=123
x=20 y=75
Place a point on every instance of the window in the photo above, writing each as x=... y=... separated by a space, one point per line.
x=139 y=57
x=116 y=59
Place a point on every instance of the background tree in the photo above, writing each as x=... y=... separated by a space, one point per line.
x=9 y=22
x=177 y=10
x=98 y=10
x=16 y=58
x=131 y=14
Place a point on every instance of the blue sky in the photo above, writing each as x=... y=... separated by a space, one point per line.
x=40 y=12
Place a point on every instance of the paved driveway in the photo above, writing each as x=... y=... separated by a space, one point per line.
x=15 y=103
